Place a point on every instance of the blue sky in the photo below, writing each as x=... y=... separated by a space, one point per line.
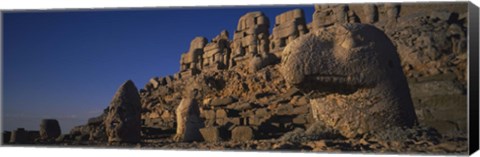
x=68 y=64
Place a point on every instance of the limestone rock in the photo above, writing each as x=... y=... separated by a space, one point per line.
x=353 y=76
x=123 y=122
x=49 y=129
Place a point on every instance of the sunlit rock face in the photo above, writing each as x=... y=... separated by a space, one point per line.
x=123 y=123
x=353 y=77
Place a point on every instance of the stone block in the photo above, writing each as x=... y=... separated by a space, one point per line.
x=301 y=109
x=220 y=113
x=235 y=120
x=300 y=119
x=242 y=133
x=221 y=121
x=223 y=101
x=284 y=109
x=262 y=112
x=247 y=113
x=209 y=114
x=210 y=134
x=154 y=82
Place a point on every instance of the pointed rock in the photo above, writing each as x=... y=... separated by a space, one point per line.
x=123 y=123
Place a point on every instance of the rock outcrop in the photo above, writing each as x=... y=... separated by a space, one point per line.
x=122 y=122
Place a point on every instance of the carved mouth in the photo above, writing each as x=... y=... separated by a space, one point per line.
x=320 y=85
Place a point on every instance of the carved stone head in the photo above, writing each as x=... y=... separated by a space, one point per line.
x=123 y=123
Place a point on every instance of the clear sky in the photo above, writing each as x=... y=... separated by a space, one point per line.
x=68 y=64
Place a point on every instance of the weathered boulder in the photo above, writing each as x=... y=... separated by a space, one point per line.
x=123 y=122
x=188 y=119
x=353 y=76
x=49 y=129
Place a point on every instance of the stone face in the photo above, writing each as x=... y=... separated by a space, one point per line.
x=123 y=122
x=188 y=120
x=354 y=78
x=242 y=133
x=49 y=129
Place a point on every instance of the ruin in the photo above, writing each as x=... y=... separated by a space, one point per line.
x=250 y=37
x=288 y=26
x=262 y=86
x=217 y=53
